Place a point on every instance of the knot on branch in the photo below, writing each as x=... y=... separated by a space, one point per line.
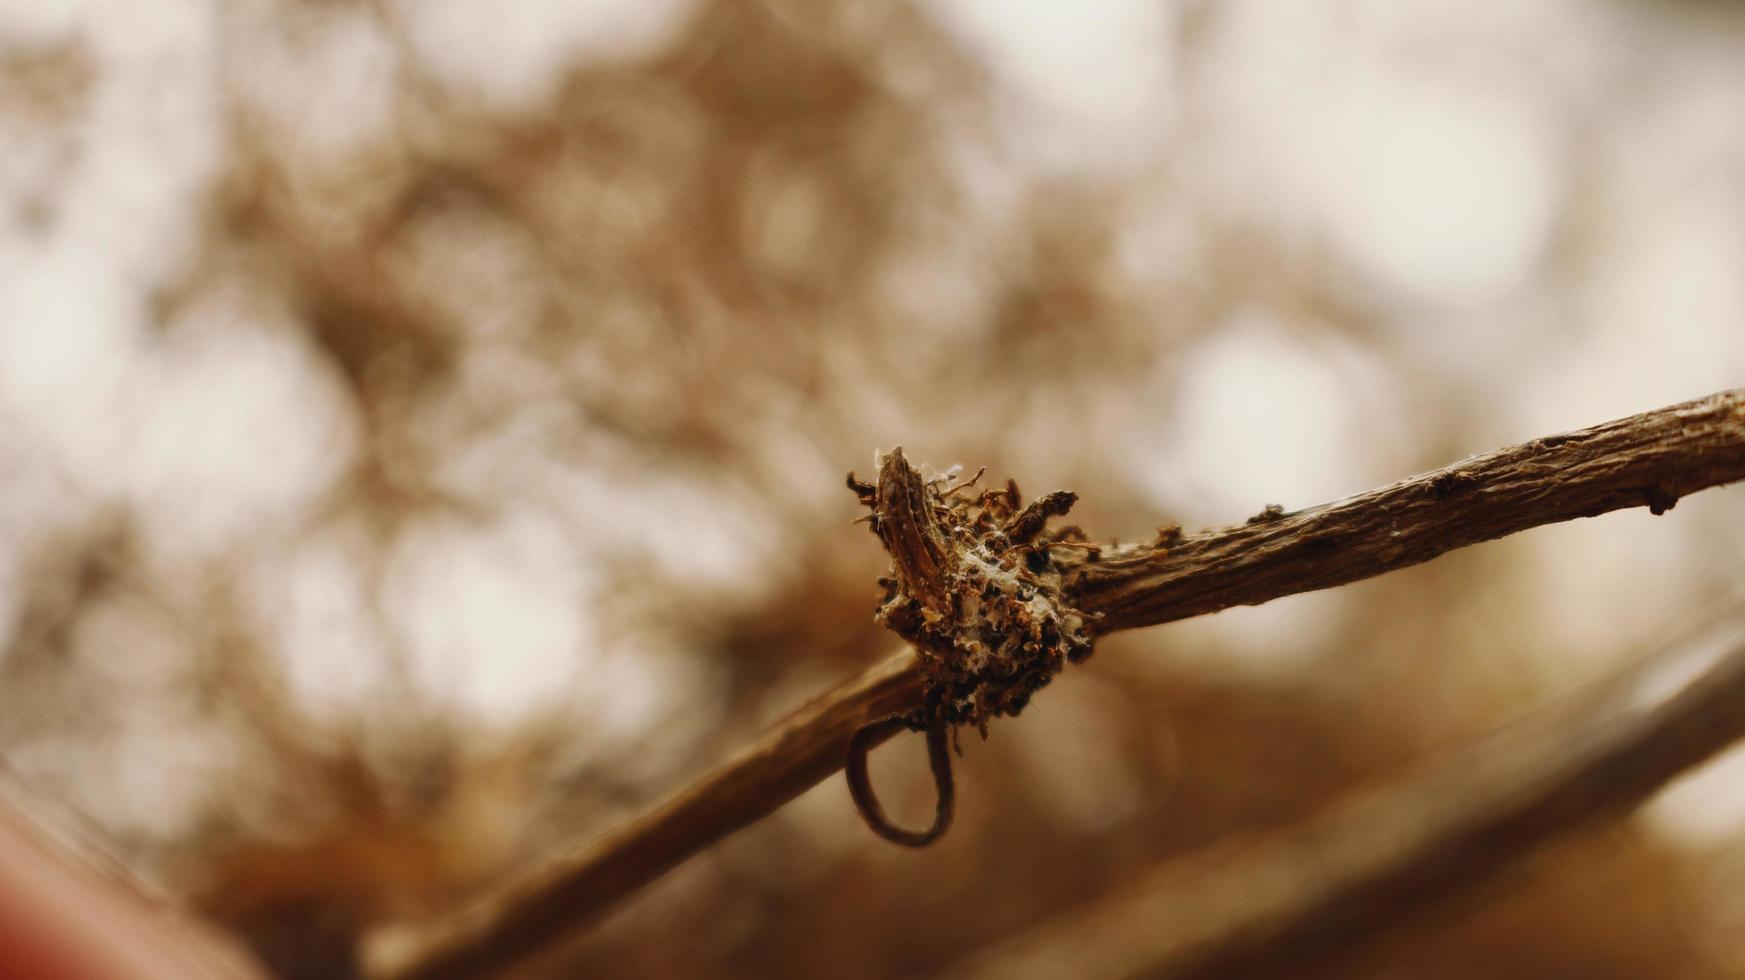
x=974 y=587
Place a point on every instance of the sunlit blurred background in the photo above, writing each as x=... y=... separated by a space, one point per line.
x=422 y=430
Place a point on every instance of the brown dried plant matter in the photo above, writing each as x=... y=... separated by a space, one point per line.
x=974 y=588
x=1647 y=460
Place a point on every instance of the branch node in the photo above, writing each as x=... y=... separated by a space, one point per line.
x=1659 y=499
x=1449 y=483
x=978 y=592
x=1268 y=514
x=1167 y=535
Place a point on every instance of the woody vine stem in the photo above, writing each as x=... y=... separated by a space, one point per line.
x=1648 y=460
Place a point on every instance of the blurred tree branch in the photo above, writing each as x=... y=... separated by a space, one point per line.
x=1648 y=460
x=1377 y=856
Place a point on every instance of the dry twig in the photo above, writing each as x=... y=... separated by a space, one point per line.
x=1649 y=460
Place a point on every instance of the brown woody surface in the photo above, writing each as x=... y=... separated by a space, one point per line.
x=1649 y=460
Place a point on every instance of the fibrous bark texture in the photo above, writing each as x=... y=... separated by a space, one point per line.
x=1648 y=460
x=974 y=589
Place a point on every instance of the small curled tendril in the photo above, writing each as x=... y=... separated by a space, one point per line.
x=860 y=787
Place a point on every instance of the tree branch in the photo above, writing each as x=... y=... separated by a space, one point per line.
x=799 y=752
x=1649 y=460
x=1236 y=908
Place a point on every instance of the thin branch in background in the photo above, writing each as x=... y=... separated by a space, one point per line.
x=1648 y=460
x=1380 y=855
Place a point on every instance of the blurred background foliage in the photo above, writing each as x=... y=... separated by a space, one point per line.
x=422 y=428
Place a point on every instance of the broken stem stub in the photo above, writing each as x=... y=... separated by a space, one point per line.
x=974 y=588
